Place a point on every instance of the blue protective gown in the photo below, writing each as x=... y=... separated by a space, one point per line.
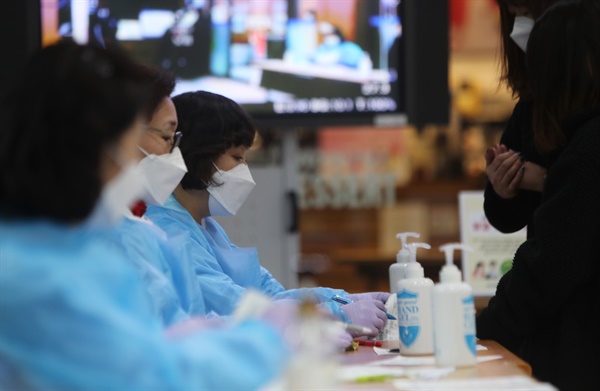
x=224 y=271
x=163 y=265
x=74 y=315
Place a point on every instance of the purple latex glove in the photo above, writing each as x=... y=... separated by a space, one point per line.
x=282 y=315
x=367 y=313
x=343 y=340
x=380 y=296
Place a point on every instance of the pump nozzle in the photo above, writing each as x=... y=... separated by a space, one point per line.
x=414 y=269
x=403 y=236
x=412 y=248
x=450 y=272
x=449 y=248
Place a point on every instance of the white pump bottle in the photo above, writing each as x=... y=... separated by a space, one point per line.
x=415 y=318
x=454 y=315
x=397 y=270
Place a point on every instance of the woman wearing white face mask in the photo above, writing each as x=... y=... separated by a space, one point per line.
x=158 y=259
x=217 y=133
x=75 y=314
x=516 y=168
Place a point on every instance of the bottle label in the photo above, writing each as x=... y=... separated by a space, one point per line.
x=408 y=317
x=469 y=324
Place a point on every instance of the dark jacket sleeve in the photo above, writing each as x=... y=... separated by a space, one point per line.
x=511 y=215
x=550 y=268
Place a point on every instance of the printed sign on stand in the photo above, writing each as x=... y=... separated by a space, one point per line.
x=493 y=251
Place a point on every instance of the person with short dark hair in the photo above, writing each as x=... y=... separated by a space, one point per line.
x=74 y=313
x=216 y=134
x=545 y=307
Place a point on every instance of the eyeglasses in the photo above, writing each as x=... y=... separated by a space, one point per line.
x=175 y=137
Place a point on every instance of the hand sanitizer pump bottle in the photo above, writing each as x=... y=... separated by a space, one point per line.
x=414 y=307
x=454 y=315
x=402 y=258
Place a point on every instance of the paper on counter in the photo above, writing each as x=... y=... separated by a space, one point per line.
x=507 y=383
x=385 y=352
x=391 y=331
x=423 y=360
x=406 y=360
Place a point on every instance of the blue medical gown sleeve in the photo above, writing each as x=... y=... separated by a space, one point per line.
x=212 y=253
x=270 y=286
x=164 y=267
x=217 y=239
x=221 y=294
x=79 y=319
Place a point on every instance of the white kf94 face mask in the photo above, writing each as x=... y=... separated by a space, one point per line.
x=117 y=196
x=521 y=30
x=236 y=185
x=162 y=174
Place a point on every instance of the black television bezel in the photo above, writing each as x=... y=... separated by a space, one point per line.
x=422 y=78
x=397 y=117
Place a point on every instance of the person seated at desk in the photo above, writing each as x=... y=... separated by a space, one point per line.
x=174 y=296
x=217 y=132
x=74 y=312
x=162 y=261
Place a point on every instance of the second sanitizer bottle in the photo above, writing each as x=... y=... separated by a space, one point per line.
x=397 y=270
x=454 y=315
x=415 y=308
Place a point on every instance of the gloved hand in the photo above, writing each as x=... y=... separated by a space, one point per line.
x=367 y=313
x=282 y=315
x=381 y=296
x=343 y=340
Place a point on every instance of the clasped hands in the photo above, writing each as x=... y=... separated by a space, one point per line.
x=508 y=172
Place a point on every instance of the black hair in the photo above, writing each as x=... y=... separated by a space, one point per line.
x=514 y=69
x=162 y=84
x=564 y=50
x=72 y=103
x=210 y=124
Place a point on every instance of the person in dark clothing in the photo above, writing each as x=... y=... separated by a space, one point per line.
x=516 y=168
x=545 y=308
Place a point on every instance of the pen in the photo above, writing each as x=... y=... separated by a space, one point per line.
x=368 y=342
x=345 y=300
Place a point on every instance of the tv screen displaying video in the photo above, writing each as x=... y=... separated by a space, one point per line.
x=289 y=62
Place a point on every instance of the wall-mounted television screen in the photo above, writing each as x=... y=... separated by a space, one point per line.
x=287 y=62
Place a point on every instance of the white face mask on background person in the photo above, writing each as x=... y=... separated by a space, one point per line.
x=119 y=194
x=162 y=174
x=521 y=30
x=236 y=185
